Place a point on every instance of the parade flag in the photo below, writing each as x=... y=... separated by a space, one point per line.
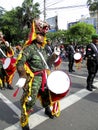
x=32 y=34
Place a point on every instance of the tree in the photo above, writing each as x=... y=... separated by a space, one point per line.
x=30 y=11
x=93 y=6
x=80 y=33
x=58 y=37
x=13 y=23
x=10 y=25
x=2 y=10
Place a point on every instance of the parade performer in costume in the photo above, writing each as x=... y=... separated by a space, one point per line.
x=33 y=67
x=5 y=51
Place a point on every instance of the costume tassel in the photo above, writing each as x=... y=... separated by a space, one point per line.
x=56 y=109
x=16 y=92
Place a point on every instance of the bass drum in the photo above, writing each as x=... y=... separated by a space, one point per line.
x=9 y=65
x=58 y=83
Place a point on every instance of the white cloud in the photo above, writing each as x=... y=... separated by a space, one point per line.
x=9 y=4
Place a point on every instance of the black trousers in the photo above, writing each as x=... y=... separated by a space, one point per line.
x=92 y=67
x=71 y=62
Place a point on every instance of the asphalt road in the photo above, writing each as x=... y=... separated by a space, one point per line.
x=79 y=109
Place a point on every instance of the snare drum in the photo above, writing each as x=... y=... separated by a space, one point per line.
x=58 y=83
x=77 y=57
x=9 y=65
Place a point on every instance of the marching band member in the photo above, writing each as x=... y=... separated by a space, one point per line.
x=92 y=61
x=33 y=69
x=5 y=51
x=71 y=52
x=49 y=47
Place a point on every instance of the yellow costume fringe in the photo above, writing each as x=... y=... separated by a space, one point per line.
x=27 y=69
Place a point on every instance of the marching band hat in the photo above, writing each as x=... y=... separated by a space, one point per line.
x=94 y=36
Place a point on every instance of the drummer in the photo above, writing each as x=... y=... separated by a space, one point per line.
x=5 y=51
x=71 y=52
x=32 y=69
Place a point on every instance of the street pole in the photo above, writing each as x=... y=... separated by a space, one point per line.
x=44 y=10
x=97 y=21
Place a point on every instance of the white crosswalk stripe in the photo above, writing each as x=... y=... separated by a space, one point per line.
x=39 y=117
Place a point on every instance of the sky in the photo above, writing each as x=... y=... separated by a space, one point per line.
x=65 y=15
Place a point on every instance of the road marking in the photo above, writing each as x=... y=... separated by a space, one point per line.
x=10 y=104
x=39 y=117
x=78 y=76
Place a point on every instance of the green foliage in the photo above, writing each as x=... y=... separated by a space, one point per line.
x=80 y=33
x=57 y=37
x=16 y=23
x=93 y=5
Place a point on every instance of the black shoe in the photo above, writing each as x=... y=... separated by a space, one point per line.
x=93 y=87
x=26 y=127
x=73 y=70
x=48 y=112
x=9 y=87
x=70 y=70
x=90 y=89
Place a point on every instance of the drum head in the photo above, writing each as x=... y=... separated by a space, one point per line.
x=58 y=82
x=7 y=62
x=77 y=56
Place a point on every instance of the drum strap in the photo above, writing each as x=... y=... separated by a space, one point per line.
x=44 y=77
x=72 y=49
x=43 y=59
x=94 y=48
x=3 y=53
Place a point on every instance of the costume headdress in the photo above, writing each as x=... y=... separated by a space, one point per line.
x=38 y=26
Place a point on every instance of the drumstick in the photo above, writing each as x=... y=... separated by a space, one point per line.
x=16 y=92
x=3 y=40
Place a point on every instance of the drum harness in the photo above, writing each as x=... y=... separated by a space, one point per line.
x=3 y=53
x=95 y=49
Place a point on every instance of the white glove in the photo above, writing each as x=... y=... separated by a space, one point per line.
x=21 y=82
x=7 y=43
x=57 y=51
x=29 y=98
x=94 y=55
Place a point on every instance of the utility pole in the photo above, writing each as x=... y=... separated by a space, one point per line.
x=97 y=21
x=44 y=10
